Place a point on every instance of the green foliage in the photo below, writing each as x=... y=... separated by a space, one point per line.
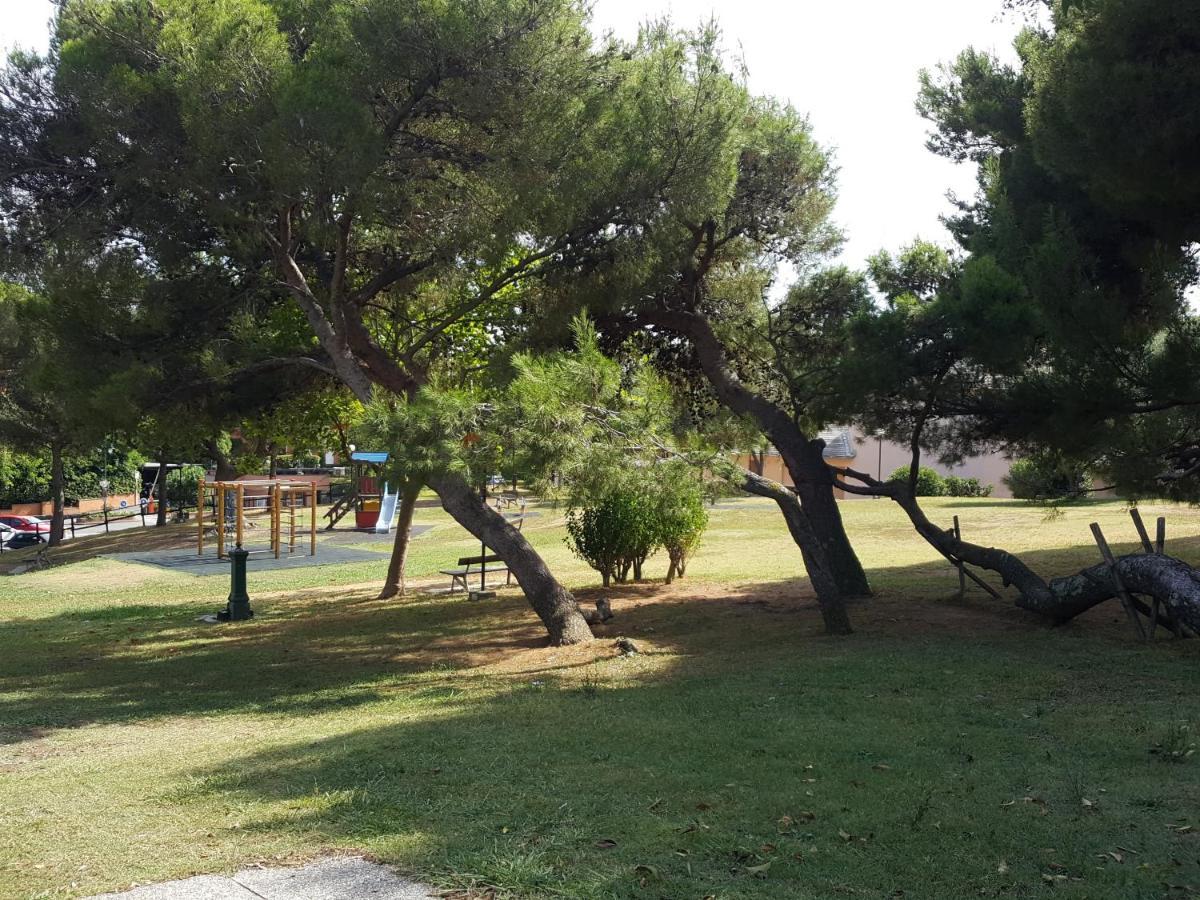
x=957 y=486
x=616 y=531
x=1046 y=476
x=642 y=508
x=681 y=516
x=929 y=482
x=25 y=478
x=182 y=485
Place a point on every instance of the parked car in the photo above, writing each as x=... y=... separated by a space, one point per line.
x=31 y=524
x=19 y=539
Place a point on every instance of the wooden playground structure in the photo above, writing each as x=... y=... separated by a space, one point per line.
x=239 y=504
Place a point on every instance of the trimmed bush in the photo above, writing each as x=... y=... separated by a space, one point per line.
x=615 y=533
x=966 y=487
x=659 y=506
x=929 y=482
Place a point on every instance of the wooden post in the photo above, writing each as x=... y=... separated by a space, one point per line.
x=292 y=520
x=200 y=517
x=219 y=516
x=1141 y=529
x=240 y=494
x=312 y=502
x=1160 y=538
x=1126 y=600
x=962 y=576
x=275 y=519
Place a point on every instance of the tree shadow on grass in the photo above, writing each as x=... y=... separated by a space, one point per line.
x=672 y=787
x=306 y=654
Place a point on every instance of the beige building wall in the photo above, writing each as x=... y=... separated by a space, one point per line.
x=881 y=458
x=989 y=469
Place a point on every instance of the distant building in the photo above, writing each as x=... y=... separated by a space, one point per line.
x=849 y=447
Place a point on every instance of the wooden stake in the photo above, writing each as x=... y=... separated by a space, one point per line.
x=1126 y=600
x=962 y=576
x=1160 y=538
x=220 y=517
x=1141 y=529
x=200 y=517
x=276 y=521
x=312 y=502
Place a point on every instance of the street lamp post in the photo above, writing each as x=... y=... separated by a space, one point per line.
x=879 y=464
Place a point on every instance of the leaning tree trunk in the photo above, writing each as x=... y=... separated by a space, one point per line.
x=58 y=491
x=550 y=600
x=829 y=597
x=803 y=457
x=814 y=484
x=1173 y=582
x=393 y=585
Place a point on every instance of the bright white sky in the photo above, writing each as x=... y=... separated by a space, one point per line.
x=851 y=65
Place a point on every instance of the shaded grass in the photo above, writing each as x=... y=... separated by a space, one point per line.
x=951 y=746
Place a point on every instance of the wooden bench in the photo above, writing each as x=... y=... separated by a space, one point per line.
x=477 y=566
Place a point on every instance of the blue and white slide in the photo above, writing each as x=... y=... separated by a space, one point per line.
x=387 y=511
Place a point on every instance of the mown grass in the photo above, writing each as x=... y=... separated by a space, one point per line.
x=945 y=750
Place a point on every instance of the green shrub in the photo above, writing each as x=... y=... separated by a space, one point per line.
x=1046 y=476
x=929 y=482
x=615 y=532
x=966 y=487
x=642 y=510
x=682 y=517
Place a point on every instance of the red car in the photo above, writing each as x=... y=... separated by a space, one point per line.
x=29 y=524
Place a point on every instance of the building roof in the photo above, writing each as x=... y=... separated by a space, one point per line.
x=838 y=444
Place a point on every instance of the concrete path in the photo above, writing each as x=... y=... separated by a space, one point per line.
x=342 y=878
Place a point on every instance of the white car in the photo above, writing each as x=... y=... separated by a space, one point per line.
x=5 y=534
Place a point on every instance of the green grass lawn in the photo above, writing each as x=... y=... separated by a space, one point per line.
x=945 y=750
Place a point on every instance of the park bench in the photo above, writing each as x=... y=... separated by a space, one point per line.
x=478 y=567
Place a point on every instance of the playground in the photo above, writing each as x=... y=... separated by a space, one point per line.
x=443 y=737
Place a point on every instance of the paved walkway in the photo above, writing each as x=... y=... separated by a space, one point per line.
x=342 y=878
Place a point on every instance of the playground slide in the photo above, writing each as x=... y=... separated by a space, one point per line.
x=387 y=511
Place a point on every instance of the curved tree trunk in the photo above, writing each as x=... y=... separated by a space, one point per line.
x=814 y=485
x=1173 y=582
x=393 y=584
x=553 y=603
x=829 y=597
x=802 y=456
x=58 y=498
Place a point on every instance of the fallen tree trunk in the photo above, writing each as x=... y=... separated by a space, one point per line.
x=1172 y=582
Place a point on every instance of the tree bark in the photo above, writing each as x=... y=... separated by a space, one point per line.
x=814 y=485
x=393 y=584
x=829 y=598
x=58 y=494
x=1174 y=583
x=553 y=603
x=225 y=469
x=802 y=456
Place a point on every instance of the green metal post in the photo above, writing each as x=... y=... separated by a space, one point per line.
x=238 y=607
